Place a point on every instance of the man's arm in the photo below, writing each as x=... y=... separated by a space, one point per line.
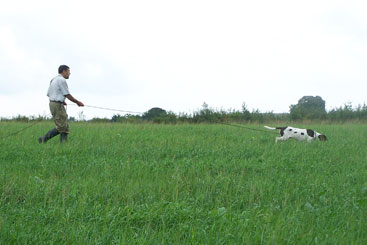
x=71 y=98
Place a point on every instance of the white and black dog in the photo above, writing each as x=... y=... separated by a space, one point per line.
x=299 y=134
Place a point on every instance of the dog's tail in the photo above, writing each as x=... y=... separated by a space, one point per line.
x=271 y=128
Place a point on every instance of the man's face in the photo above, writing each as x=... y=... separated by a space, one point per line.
x=66 y=73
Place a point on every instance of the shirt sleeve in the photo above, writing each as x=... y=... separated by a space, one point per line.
x=64 y=87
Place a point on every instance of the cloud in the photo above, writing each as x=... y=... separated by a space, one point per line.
x=30 y=58
x=22 y=64
x=176 y=55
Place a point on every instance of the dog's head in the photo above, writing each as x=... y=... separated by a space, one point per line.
x=322 y=137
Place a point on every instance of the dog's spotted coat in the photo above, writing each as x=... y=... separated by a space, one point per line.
x=299 y=134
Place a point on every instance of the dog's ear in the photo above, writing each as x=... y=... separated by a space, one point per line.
x=322 y=137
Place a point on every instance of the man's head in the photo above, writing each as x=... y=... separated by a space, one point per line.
x=64 y=71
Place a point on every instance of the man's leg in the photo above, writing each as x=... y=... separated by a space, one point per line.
x=61 y=121
x=50 y=134
x=63 y=137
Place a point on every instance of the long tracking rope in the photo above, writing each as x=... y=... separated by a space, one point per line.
x=110 y=109
x=227 y=124
x=133 y=112
x=17 y=132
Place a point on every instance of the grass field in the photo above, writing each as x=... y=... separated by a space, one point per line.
x=182 y=184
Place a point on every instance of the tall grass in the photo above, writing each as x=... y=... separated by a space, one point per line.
x=182 y=184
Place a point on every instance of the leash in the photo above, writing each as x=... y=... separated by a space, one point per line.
x=227 y=124
x=134 y=112
x=110 y=109
x=17 y=132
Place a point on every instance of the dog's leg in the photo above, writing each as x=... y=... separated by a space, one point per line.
x=309 y=139
x=281 y=138
x=277 y=139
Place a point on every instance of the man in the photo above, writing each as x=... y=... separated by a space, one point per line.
x=57 y=92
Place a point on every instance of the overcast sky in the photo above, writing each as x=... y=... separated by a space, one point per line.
x=135 y=55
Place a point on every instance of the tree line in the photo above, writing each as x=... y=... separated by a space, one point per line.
x=307 y=108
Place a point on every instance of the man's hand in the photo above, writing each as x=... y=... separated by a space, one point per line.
x=71 y=98
x=65 y=103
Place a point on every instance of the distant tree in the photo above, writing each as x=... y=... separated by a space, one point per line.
x=117 y=118
x=207 y=114
x=308 y=107
x=245 y=112
x=127 y=118
x=20 y=118
x=153 y=113
x=99 y=120
x=344 y=113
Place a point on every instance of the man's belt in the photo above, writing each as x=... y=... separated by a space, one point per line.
x=61 y=102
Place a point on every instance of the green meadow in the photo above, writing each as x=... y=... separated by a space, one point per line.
x=182 y=184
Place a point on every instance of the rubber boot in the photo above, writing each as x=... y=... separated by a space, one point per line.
x=50 y=134
x=63 y=137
